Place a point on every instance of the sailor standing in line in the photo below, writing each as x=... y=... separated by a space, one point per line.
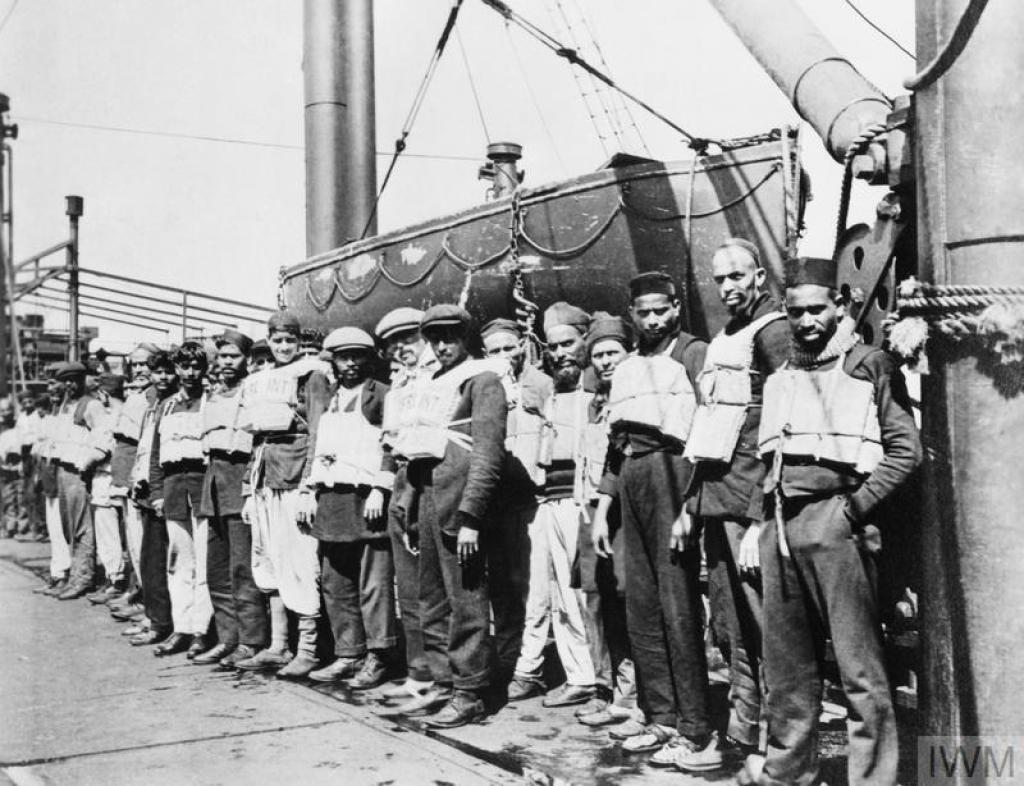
x=651 y=405
x=280 y=404
x=86 y=414
x=509 y=559
x=239 y=608
x=399 y=331
x=452 y=429
x=353 y=478
x=11 y=482
x=726 y=488
x=33 y=525
x=839 y=435
x=60 y=551
x=552 y=603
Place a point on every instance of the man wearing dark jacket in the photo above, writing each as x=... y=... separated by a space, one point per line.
x=452 y=429
x=839 y=436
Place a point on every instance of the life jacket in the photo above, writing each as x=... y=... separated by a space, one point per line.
x=140 y=469
x=271 y=396
x=418 y=416
x=654 y=392
x=73 y=447
x=725 y=393
x=823 y=415
x=10 y=446
x=40 y=446
x=593 y=454
x=565 y=415
x=348 y=449
x=220 y=430
x=181 y=434
x=128 y=424
x=523 y=429
x=57 y=434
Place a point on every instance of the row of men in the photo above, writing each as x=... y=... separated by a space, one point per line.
x=502 y=504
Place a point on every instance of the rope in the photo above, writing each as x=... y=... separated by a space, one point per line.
x=857 y=146
x=879 y=30
x=790 y=187
x=578 y=249
x=472 y=85
x=949 y=54
x=417 y=103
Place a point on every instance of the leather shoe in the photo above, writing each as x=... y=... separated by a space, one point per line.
x=211 y=656
x=49 y=585
x=175 y=643
x=568 y=695
x=341 y=669
x=522 y=688
x=136 y=628
x=265 y=659
x=427 y=702
x=373 y=673
x=199 y=645
x=73 y=592
x=126 y=613
x=300 y=666
x=57 y=588
x=149 y=637
x=464 y=708
x=241 y=652
x=103 y=594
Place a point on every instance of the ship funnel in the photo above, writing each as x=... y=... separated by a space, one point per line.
x=502 y=168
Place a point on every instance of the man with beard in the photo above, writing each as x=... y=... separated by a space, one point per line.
x=651 y=406
x=86 y=414
x=239 y=608
x=399 y=331
x=726 y=488
x=509 y=561
x=451 y=428
x=551 y=602
x=838 y=433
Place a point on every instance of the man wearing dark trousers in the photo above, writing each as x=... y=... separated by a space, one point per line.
x=651 y=407
x=726 y=489
x=452 y=429
x=839 y=436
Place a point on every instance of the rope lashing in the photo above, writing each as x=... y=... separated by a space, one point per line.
x=859 y=145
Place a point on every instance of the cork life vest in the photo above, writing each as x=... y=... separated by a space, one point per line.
x=523 y=430
x=128 y=424
x=593 y=453
x=565 y=416
x=821 y=415
x=725 y=393
x=418 y=416
x=271 y=396
x=348 y=447
x=56 y=434
x=73 y=446
x=221 y=431
x=140 y=469
x=181 y=434
x=654 y=392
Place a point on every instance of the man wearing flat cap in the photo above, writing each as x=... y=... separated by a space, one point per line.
x=352 y=478
x=60 y=552
x=552 y=603
x=451 y=428
x=239 y=608
x=726 y=489
x=509 y=561
x=838 y=435
x=651 y=408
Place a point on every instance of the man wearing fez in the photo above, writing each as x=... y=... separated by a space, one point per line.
x=651 y=408
x=527 y=390
x=239 y=608
x=838 y=435
x=451 y=428
x=725 y=491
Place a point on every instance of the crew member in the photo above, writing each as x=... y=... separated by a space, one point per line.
x=552 y=603
x=11 y=483
x=726 y=488
x=239 y=608
x=60 y=556
x=353 y=477
x=527 y=389
x=33 y=526
x=261 y=357
x=839 y=436
x=651 y=404
x=452 y=429
x=278 y=404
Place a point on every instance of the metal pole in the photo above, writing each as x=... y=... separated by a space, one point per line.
x=184 y=317
x=74 y=211
x=341 y=167
x=5 y=260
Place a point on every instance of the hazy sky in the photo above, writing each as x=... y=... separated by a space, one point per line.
x=224 y=217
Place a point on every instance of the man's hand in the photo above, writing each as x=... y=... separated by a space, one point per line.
x=248 y=510
x=306 y=510
x=749 y=558
x=407 y=542
x=467 y=544
x=158 y=507
x=373 y=508
x=600 y=537
x=682 y=532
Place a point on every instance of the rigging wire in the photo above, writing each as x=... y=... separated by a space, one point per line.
x=7 y=16
x=414 y=110
x=571 y=55
x=207 y=138
x=472 y=85
x=952 y=50
x=533 y=99
x=879 y=30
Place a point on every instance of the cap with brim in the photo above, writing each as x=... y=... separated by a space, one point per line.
x=562 y=313
x=260 y=347
x=348 y=338
x=810 y=270
x=651 y=283
x=239 y=340
x=70 y=370
x=284 y=322
x=401 y=320
x=445 y=315
x=501 y=325
x=606 y=327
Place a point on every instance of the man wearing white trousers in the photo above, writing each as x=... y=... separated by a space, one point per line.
x=551 y=601
x=60 y=553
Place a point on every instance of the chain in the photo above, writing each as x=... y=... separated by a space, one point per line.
x=526 y=309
